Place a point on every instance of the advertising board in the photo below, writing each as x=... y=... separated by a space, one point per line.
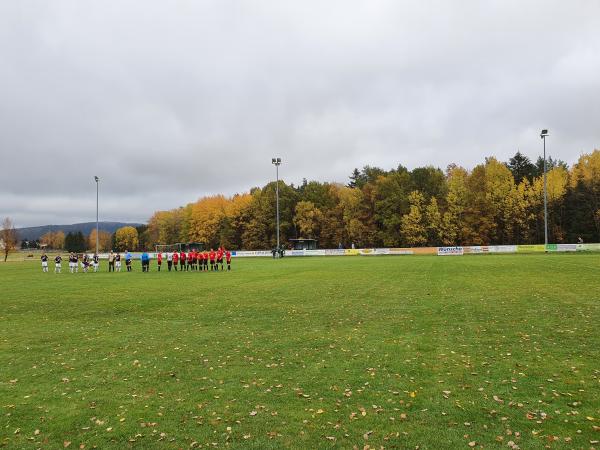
x=450 y=251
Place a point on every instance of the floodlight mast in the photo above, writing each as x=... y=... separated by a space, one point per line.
x=277 y=162
x=97 y=236
x=543 y=135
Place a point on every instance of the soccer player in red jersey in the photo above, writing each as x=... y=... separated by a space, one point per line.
x=220 y=252
x=182 y=260
x=190 y=260
x=205 y=260
x=159 y=260
x=175 y=260
x=212 y=256
x=228 y=258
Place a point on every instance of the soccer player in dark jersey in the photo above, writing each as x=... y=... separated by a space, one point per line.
x=72 y=262
x=57 y=264
x=96 y=262
x=118 y=262
x=228 y=258
x=86 y=262
x=44 y=259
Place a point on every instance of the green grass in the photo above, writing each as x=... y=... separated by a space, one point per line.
x=326 y=352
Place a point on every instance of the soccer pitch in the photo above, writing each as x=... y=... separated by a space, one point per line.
x=399 y=352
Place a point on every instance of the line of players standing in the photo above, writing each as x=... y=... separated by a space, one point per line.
x=195 y=260
x=190 y=261
x=87 y=262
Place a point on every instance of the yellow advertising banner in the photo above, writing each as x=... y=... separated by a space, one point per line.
x=530 y=248
x=351 y=251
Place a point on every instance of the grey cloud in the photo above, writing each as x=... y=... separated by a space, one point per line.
x=171 y=101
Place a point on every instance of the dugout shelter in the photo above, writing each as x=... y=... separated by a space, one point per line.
x=303 y=244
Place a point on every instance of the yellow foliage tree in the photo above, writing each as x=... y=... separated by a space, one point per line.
x=54 y=239
x=126 y=238
x=104 y=240
x=414 y=230
x=308 y=219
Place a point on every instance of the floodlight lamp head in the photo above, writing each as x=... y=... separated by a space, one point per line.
x=276 y=161
x=97 y=179
x=543 y=134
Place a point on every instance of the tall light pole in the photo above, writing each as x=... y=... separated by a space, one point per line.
x=543 y=135
x=97 y=183
x=277 y=163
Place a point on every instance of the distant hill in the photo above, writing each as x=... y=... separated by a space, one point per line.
x=33 y=233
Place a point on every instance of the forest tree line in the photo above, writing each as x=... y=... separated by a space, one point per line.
x=494 y=203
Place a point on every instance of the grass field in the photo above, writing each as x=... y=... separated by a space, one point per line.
x=399 y=352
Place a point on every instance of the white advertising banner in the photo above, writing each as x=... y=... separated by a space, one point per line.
x=250 y=253
x=401 y=251
x=566 y=247
x=588 y=247
x=450 y=251
x=477 y=249
x=502 y=249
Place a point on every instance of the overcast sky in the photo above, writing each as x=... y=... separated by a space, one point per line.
x=167 y=101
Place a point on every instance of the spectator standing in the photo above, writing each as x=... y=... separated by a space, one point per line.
x=111 y=261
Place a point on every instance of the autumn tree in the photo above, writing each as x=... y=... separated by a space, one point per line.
x=391 y=203
x=453 y=228
x=8 y=236
x=413 y=227
x=433 y=221
x=126 y=238
x=104 y=240
x=308 y=219
x=53 y=239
